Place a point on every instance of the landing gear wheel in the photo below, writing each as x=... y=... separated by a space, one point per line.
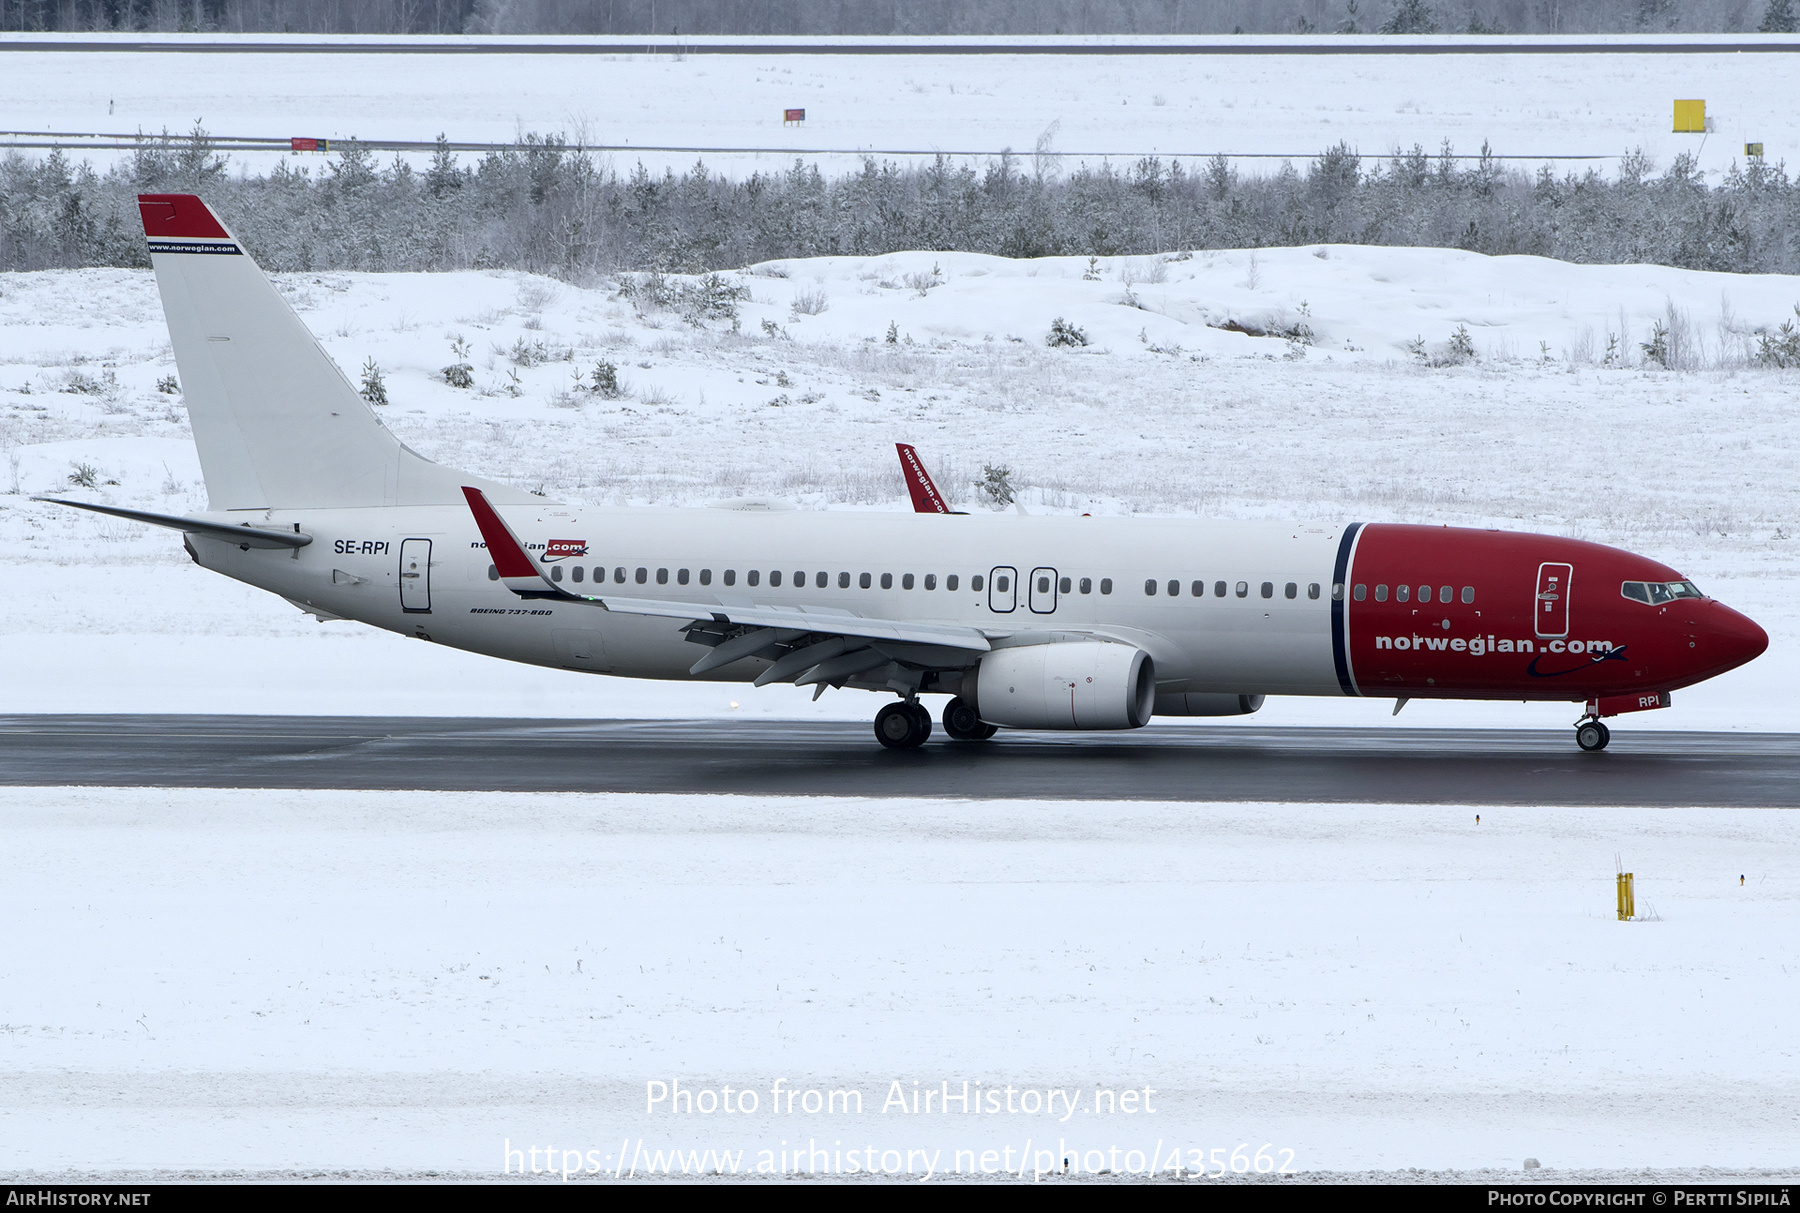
x=1592 y=736
x=961 y=722
x=921 y=721
x=897 y=726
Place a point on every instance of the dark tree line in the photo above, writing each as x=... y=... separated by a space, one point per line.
x=901 y=17
x=539 y=206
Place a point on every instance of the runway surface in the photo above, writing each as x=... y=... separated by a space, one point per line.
x=1162 y=762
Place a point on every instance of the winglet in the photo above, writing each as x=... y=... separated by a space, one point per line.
x=517 y=569
x=925 y=496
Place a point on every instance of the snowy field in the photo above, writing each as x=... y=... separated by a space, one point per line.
x=1161 y=413
x=378 y=981
x=1524 y=105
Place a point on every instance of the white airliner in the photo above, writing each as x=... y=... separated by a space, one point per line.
x=1024 y=622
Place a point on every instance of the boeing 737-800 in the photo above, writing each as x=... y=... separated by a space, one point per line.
x=1032 y=622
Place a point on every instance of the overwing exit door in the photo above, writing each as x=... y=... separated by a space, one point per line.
x=415 y=576
x=1552 y=606
x=1003 y=589
x=1042 y=592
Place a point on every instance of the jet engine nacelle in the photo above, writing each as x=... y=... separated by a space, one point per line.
x=1077 y=684
x=1196 y=704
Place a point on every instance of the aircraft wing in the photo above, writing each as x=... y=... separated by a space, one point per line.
x=814 y=620
x=817 y=645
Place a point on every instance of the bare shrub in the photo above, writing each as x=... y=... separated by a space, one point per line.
x=810 y=303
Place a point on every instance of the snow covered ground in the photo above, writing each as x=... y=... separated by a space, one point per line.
x=1289 y=105
x=1160 y=413
x=280 y=980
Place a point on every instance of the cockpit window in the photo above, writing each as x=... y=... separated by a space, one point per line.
x=1657 y=593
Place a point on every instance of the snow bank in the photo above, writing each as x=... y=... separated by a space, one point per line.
x=224 y=980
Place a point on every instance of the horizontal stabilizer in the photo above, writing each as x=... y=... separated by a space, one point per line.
x=243 y=534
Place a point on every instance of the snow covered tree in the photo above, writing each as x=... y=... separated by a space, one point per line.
x=1779 y=18
x=1411 y=17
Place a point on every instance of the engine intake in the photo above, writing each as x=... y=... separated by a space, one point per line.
x=1077 y=684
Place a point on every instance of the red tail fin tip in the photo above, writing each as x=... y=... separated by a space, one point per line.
x=179 y=215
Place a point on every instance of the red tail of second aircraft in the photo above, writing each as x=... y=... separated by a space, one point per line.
x=925 y=496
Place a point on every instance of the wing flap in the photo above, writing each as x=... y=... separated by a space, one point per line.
x=828 y=623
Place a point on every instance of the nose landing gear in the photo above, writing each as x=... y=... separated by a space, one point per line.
x=1592 y=736
x=902 y=726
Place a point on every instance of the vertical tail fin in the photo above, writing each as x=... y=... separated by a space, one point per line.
x=276 y=422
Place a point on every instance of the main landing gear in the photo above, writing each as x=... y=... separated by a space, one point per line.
x=1592 y=736
x=905 y=726
x=961 y=722
x=902 y=726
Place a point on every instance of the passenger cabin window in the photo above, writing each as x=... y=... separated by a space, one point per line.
x=1446 y=593
x=1291 y=590
x=1268 y=589
x=556 y=572
x=1337 y=591
x=1468 y=593
x=730 y=576
x=662 y=576
x=1360 y=592
x=1312 y=591
x=1424 y=593
x=643 y=575
x=1198 y=589
x=775 y=578
x=906 y=581
x=1087 y=584
x=1243 y=589
x=1381 y=593
x=887 y=581
x=1043 y=586
x=577 y=573
x=843 y=581
x=705 y=576
x=681 y=576
x=494 y=575
x=1174 y=589
x=1402 y=593
x=931 y=581
x=619 y=576
x=1218 y=589
x=1105 y=585
x=753 y=577
x=1063 y=586
x=1150 y=587
x=950 y=582
x=862 y=581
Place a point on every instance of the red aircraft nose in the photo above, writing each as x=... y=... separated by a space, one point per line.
x=1733 y=638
